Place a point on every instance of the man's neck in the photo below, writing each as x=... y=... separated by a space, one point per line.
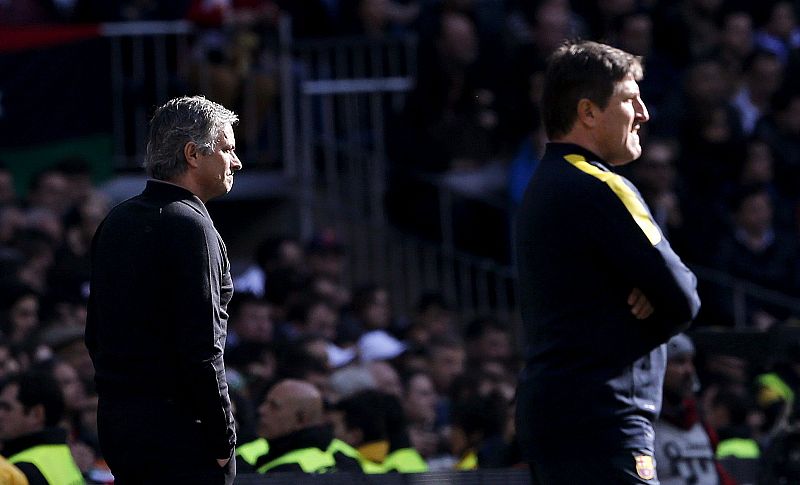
x=185 y=182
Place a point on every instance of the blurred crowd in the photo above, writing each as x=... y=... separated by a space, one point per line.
x=720 y=171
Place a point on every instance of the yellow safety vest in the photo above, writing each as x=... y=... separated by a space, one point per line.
x=310 y=460
x=339 y=446
x=468 y=462
x=739 y=448
x=54 y=462
x=405 y=460
x=252 y=450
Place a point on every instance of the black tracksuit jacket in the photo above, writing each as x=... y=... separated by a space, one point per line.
x=584 y=240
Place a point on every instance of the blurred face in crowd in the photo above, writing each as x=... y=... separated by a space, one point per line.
x=765 y=77
x=52 y=193
x=706 y=83
x=420 y=402
x=253 y=322
x=552 y=26
x=782 y=20
x=679 y=377
x=458 y=41
x=24 y=317
x=436 y=321
x=71 y=386
x=655 y=171
x=737 y=33
x=494 y=344
x=291 y=255
x=617 y=125
x=446 y=363
x=637 y=34
x=15 y=421
x=386 y=378
x=377 y=313
x=789 y=118
x=758 y=166
x=755 y=214
x=322 y=320
x=8 y=364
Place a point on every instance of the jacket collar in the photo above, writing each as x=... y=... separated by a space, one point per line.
x=315 y=437
x=558 y=150
x=169 y=192
x=47 y=436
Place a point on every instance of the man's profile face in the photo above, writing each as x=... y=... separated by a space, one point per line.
x=617 y=132
x=217 y=167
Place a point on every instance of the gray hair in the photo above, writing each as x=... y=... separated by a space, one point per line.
x=178 y=122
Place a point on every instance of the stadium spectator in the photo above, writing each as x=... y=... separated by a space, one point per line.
x=419 y=404
x=31 y=406
x=272 y=254
x=374 y=424
x=292 y=421
x=763 y=75
x=250 y=321
x=685 y=447
x=487 y=339
x=755 y=251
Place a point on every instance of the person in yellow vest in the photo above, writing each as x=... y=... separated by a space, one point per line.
x=248 y=453
x=293 y=423
x=374 y=424
x=31 y=405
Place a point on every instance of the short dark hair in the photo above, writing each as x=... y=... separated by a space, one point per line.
x=36 y=388
x=577 y=70
x=367 y=411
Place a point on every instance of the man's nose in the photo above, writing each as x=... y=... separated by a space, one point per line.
x=643 y=115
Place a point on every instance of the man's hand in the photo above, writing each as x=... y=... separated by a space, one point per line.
x=222 y=463
x=640 y=305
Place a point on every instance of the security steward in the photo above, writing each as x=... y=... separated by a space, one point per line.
x=292 y=420
x=31 y=405
x=374 y=424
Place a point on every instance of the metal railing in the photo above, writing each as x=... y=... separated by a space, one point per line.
x=147 y=58
x=328 y=129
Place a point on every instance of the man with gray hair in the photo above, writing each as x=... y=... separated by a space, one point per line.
x=157 y=317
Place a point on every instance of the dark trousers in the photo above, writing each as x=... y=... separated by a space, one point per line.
x=152 y=441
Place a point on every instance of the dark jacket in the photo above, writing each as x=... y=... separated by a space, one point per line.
x=309 y=450
x=584 y=240
x=157 y=317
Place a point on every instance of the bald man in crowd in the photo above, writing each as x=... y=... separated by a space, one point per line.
x=292 y=420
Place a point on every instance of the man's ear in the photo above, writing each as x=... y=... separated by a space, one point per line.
x=190 y=153
x=586 y=112
x=38 y=415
